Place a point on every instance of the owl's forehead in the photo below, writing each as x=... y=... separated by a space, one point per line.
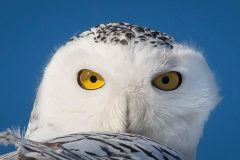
x=126 y=34
x=122 y=45
x=102 y=57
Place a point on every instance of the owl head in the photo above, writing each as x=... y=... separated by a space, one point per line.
x=119 y=77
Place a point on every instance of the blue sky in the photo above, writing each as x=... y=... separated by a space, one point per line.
x=30 y=31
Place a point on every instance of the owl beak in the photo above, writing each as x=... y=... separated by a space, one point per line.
x=136 y=108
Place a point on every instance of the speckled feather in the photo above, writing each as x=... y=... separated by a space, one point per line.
x=89 y=146
x=124 y=34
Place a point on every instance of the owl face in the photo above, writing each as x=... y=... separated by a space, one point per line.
x=96 y=84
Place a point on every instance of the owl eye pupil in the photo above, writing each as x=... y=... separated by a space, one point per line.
x=93 y=79
x=165 y=80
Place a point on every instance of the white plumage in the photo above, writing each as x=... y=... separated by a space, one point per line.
x=129 y=58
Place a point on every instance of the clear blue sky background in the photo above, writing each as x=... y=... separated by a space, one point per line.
x=30 y=31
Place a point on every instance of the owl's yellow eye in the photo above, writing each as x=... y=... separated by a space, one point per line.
x=168 y=81
x=90 y=80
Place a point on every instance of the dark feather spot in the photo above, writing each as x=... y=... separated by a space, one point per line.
x=124 y=42
x=129 y=35
x=163 y=38
x=103 y=38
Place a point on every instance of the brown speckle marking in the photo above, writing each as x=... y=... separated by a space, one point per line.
x=124 y=33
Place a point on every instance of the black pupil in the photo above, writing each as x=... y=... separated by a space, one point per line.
x=165 y=80
x=93 y=79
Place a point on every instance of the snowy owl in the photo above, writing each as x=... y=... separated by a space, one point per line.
x=123 y=78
